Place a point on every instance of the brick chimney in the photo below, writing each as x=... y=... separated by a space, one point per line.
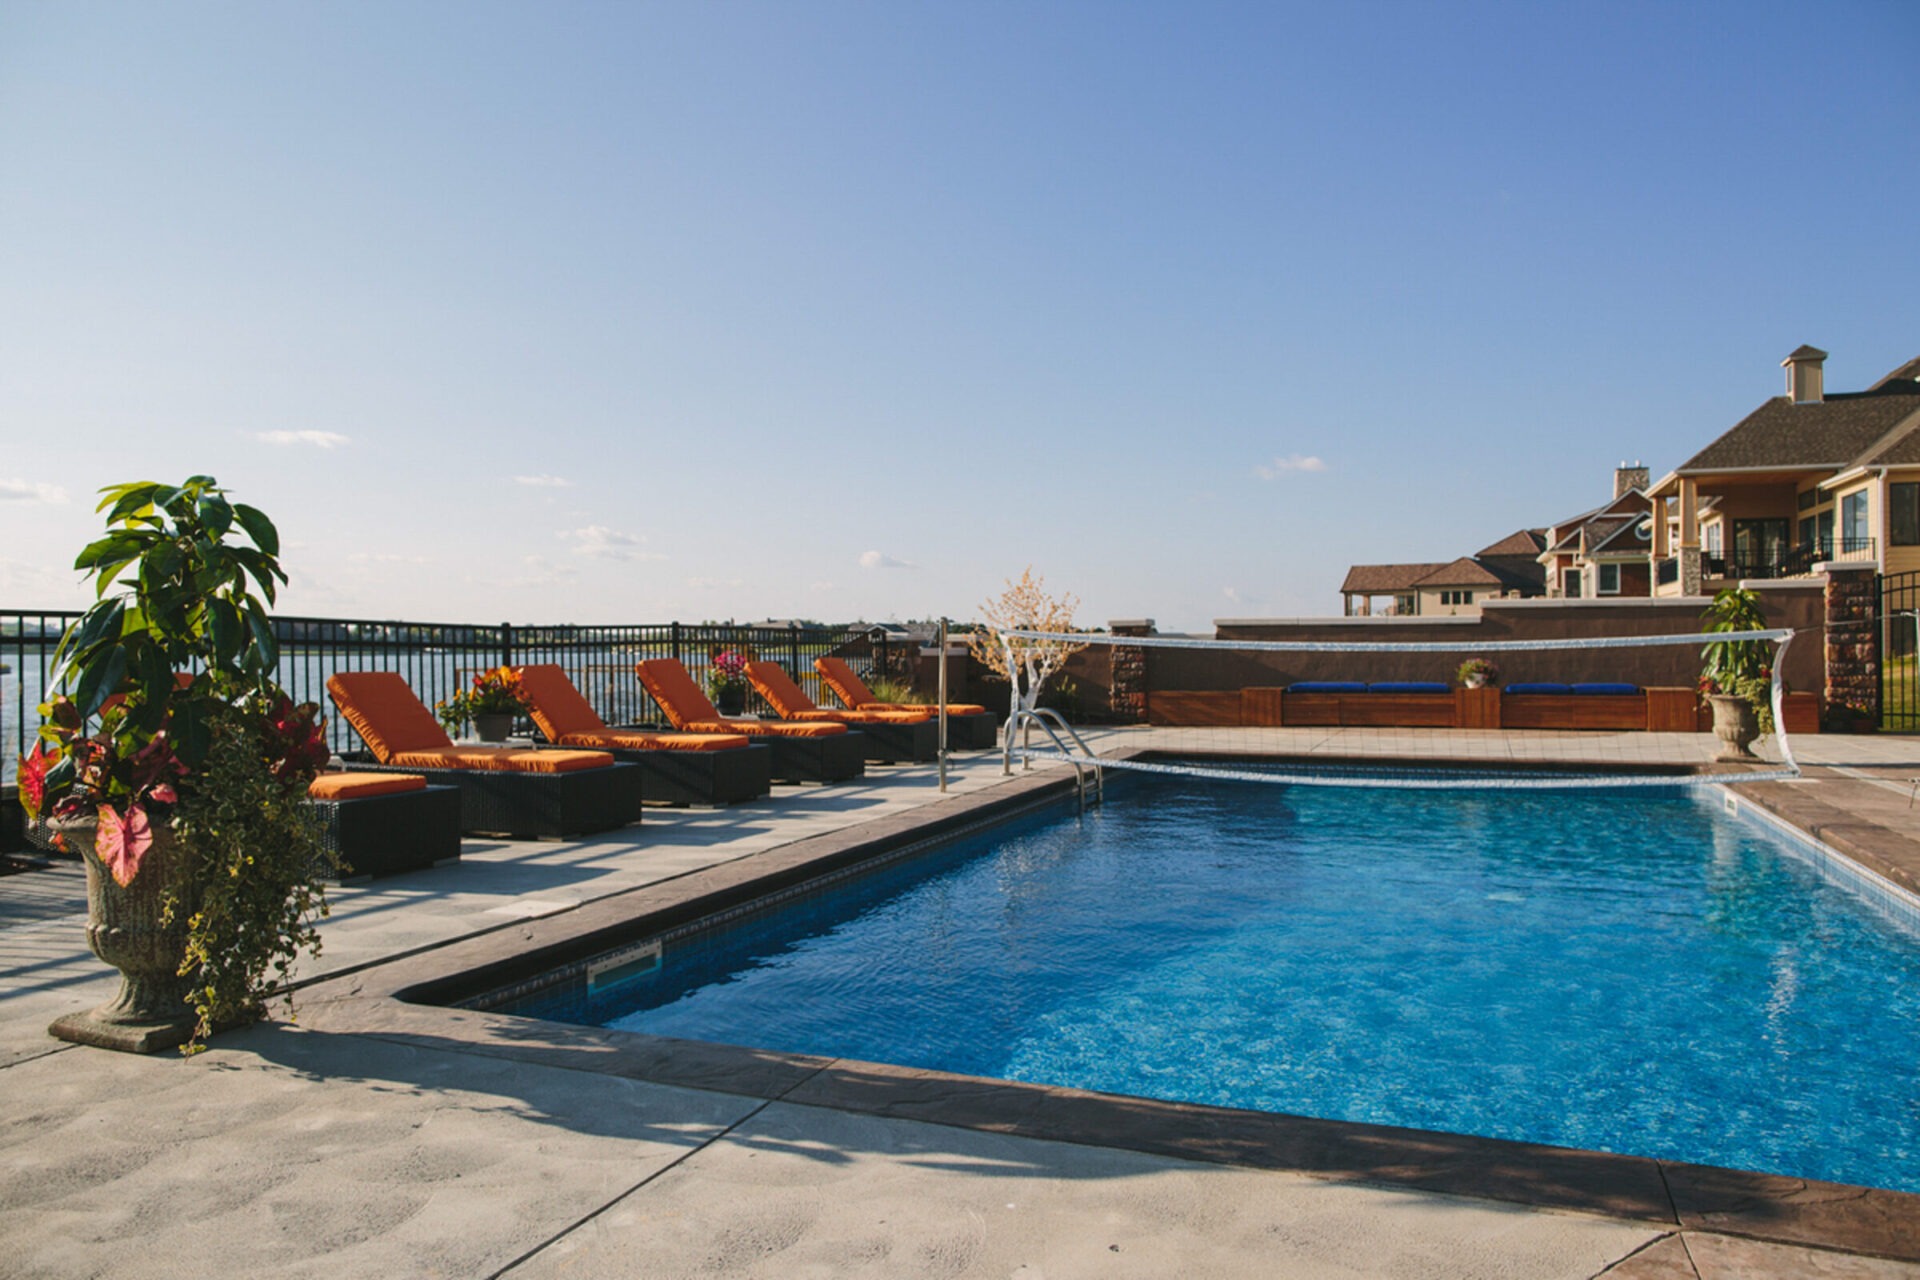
x=1630 y=475
x=1804 y=375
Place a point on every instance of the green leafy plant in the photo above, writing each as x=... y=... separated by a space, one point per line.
x=891 y=689
x=173 y=720
x=1481 y=669
x=1741 y=668
x=256 y=851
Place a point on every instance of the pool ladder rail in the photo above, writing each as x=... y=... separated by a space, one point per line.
x=1089 y=778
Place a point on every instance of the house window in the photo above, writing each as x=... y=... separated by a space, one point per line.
x=1456 y=597
x=1609 y=583
x=1759 y=547
x=1903 y=515
x=1570 y=584
x=1853 y=522
x=1808 y=497
x=1713 y=540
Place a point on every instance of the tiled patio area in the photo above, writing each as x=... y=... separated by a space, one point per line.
x=385 y=1139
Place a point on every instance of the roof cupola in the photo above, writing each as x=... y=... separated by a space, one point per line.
x=1804 y=375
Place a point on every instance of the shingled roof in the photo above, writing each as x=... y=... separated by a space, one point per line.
x=1839 y=431
x=1384 y=579
x=1527 y=542
x=1464 y=572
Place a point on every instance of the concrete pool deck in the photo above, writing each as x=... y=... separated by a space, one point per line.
x=387 y=1139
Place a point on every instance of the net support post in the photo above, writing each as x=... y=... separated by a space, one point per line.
x=943 y=704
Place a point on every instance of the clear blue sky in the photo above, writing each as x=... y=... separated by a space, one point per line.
x=630 y=312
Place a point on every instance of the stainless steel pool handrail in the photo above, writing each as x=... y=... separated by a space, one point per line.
x=1047 y=718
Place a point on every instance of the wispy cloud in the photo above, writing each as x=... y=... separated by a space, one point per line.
x=880 y=560
x=1238 y=597
x=386 y=557
x=712 y=584
x=31 y=491
x=1292 y=462
x=289 y=439
x=544 y=482
x=609 y=544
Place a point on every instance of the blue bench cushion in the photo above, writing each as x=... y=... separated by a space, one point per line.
x=1540 y=688
x=1409 y=686
x=1327 y=686
x=1605 y=689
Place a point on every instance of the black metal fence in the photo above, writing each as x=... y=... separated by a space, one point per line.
x=437 y=659
x=1898 y=622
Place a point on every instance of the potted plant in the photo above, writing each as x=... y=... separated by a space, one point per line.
x=491 y=704
x=1476 y=673
x=178 y=769
x=1735 y=675
x=727 y=681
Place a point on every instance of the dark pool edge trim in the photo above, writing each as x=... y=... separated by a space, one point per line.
x=383 y=1001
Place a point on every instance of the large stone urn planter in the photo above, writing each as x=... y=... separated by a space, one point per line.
x=151 y=1013
x=1735 y=724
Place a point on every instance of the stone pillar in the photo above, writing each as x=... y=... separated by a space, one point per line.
x=1693 y=571
x=1129 y=694
x=1853 y=639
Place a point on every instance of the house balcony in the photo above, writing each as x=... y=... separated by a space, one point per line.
x=1793 y=562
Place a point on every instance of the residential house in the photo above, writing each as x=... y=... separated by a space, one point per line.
x=1805 y=479
x=1607 y=551
x=1506 y=570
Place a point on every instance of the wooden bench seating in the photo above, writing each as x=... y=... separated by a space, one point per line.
x=1670 y=710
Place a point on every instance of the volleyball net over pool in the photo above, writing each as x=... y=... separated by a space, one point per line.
x=1616 y=711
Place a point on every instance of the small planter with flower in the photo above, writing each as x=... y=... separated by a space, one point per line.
x=491 y=705
x=727 y=682
x=1477 y=673
x=178 y=770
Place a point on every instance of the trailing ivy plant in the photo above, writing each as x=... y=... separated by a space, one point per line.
x=255 y=850
x=1742 y=668
x=172 y=718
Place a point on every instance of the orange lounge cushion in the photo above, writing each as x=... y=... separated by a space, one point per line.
x=852 y=690
x=558 y=708
x=846 y=686
x=503 y=759
x=769 y=728
x=691 y=711
x=386 y=713
x=677 y=696
x=874 y=715
x=358 y=786
x=645 y=740
x=933 y=709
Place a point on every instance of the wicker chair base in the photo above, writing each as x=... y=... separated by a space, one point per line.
x=835 y=758
x=897 y=743
x=537 y=805
x=704 y=778
x=977 y=732
x=13 y=821
x=380 y=835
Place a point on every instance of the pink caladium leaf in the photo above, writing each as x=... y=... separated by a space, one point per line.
x=122 y=843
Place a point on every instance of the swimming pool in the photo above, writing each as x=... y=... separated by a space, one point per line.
x=1634 y=972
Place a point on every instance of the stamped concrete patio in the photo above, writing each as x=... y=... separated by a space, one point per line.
x=382 y=1138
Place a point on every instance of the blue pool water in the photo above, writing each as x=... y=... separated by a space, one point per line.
x=1626 y=971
